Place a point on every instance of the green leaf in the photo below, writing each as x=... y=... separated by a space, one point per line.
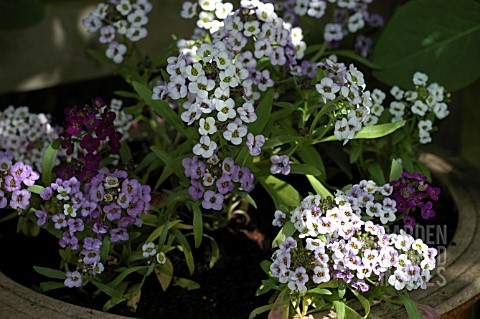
x=50 y=273
x=318 y=187
x=395 y=170
x=197 y=224
x=48 y=161
x=124 y=274
x=439 y=38
x=125 y=153
x=281 y=307
x=339 y=309
x=187 y=251
x=376 y=173
x=36 y=189
x=304 y=169
x=160 y=230
x=255 y=312
x=215 y=251
x=186 y=283
x=310 y=155
x=107 y=289
x=287 y=230
x=266 y=286
x=265 y=265
x=319 y=291
x=51 y=285
x=165 y=275
x=162 y=108
x=263 y=112
x=283 y=194
x=20 y=13
x=410 y=306
x=105 y=249
x=279 y=140
x=370 y=132
x=364 y=301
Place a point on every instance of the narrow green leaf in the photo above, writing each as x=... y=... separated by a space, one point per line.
x=304 y=169
x=187 y=251
x=265 y=265
x=287 y=230
x=51 y=285
x=50 y=273
x=318 y=187
x=410 y=306
x=105 y=249
x=263 y=112
x=162 y=108
x=376 y=173
x=215 y=254
x=339 y=309
x=197 y=225
x=255 y=312
x=283 y=194
x=279 y=140
x=439 y=38
x=48 y=161
x=395 y=170
x=160 y=230
x=109 y=290
x=36 y=189
x=124 y=274
x=125 y=153
x=127 y=94
x=319 y=291
x=370 y=132
x=266 y=286
x=364 y=301
x=310 y=155
x=186 y=283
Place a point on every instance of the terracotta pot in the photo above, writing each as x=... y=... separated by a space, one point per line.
x=455 y=287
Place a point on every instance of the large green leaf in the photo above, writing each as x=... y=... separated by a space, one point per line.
x=438 y=37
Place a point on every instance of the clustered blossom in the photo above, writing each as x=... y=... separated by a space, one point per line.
x=347 y=88
x=26 y=134
x=366 y=198
x=349 y=17
x=89 y=129
x=88 y=212
x=280 y=164
x=412 y=191
x=255 y=24
x=213 y=180
x=149 y=251
x=119 y=22
x=15 y=178
x=332 y=242
x=424 y=104
x=123 y=122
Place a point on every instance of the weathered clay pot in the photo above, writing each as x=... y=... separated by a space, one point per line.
x=455 y=288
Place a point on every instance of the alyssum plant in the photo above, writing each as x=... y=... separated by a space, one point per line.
x=242 y=103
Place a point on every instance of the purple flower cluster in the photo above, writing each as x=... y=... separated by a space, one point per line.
x=88 y=130
x=26 y=135
x=124 y=19
x=14 y=179
x=347 y=85
x=85 y=213
x=213 y=180
x=332 y=242
x=411 y=191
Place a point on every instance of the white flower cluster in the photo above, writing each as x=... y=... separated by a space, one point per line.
x=348 y=87
x=367 y=197
x=334 y=243
x=123 y=18
x=426 y=103
x=214 y=86
x=26 y=134
x=256 y=21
